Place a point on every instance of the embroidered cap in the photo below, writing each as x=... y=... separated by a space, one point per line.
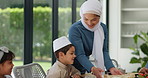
x=2 y=50
x=60 y=43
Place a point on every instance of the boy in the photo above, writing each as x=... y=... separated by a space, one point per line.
x=6 y=65
x=64 y=52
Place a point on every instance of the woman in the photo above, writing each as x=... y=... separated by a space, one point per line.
x=89 y=36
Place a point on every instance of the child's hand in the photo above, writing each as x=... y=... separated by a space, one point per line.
x=76 y=76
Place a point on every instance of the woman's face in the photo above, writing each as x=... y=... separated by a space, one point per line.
x=91 y=20
x=6 y=67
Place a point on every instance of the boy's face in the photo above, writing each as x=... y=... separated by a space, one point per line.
x=6 y=67
x=69 y=57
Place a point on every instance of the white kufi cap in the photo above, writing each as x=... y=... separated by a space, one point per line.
x=60 y=43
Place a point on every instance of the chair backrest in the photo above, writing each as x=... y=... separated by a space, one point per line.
x=115 y=63
x=118 y=66
x=32 y=70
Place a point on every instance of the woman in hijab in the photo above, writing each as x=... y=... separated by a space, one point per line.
x=89 y=35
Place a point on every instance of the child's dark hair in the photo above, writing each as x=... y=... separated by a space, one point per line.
x=7 y=56
x=64 y=50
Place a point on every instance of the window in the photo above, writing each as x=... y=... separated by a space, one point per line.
x=12 y=27
x=42 y=32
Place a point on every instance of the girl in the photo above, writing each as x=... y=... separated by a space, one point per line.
x=6 y=65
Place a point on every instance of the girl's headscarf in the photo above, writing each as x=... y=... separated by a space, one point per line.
x=2 y=50
x=95 y=7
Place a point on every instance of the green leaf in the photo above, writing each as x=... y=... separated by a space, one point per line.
x=134 y=49
x=136 y=53
x=138 y=69
x=144 y=64
x=143 y=36
x=145 y=59
x=135 y=38
x=135 y=60
x=144 y=48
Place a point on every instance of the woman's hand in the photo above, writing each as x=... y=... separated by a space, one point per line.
x=76 y=76
x=97 y=72
x=115 y=71
x=143 y=70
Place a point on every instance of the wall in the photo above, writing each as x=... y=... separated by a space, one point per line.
x=122 y=55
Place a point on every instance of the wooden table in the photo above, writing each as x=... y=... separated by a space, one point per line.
x=128 y=75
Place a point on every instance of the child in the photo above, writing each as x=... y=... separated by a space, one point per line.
x=64 y=52
x=6 y=65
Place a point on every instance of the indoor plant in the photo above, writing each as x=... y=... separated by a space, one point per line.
x=143 y=47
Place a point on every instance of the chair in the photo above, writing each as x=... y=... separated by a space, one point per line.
x=118 y=66
x=32 y=70
x=115 y=63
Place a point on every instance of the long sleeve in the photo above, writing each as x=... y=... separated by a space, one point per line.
x=73 y=70
x=78 y=37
